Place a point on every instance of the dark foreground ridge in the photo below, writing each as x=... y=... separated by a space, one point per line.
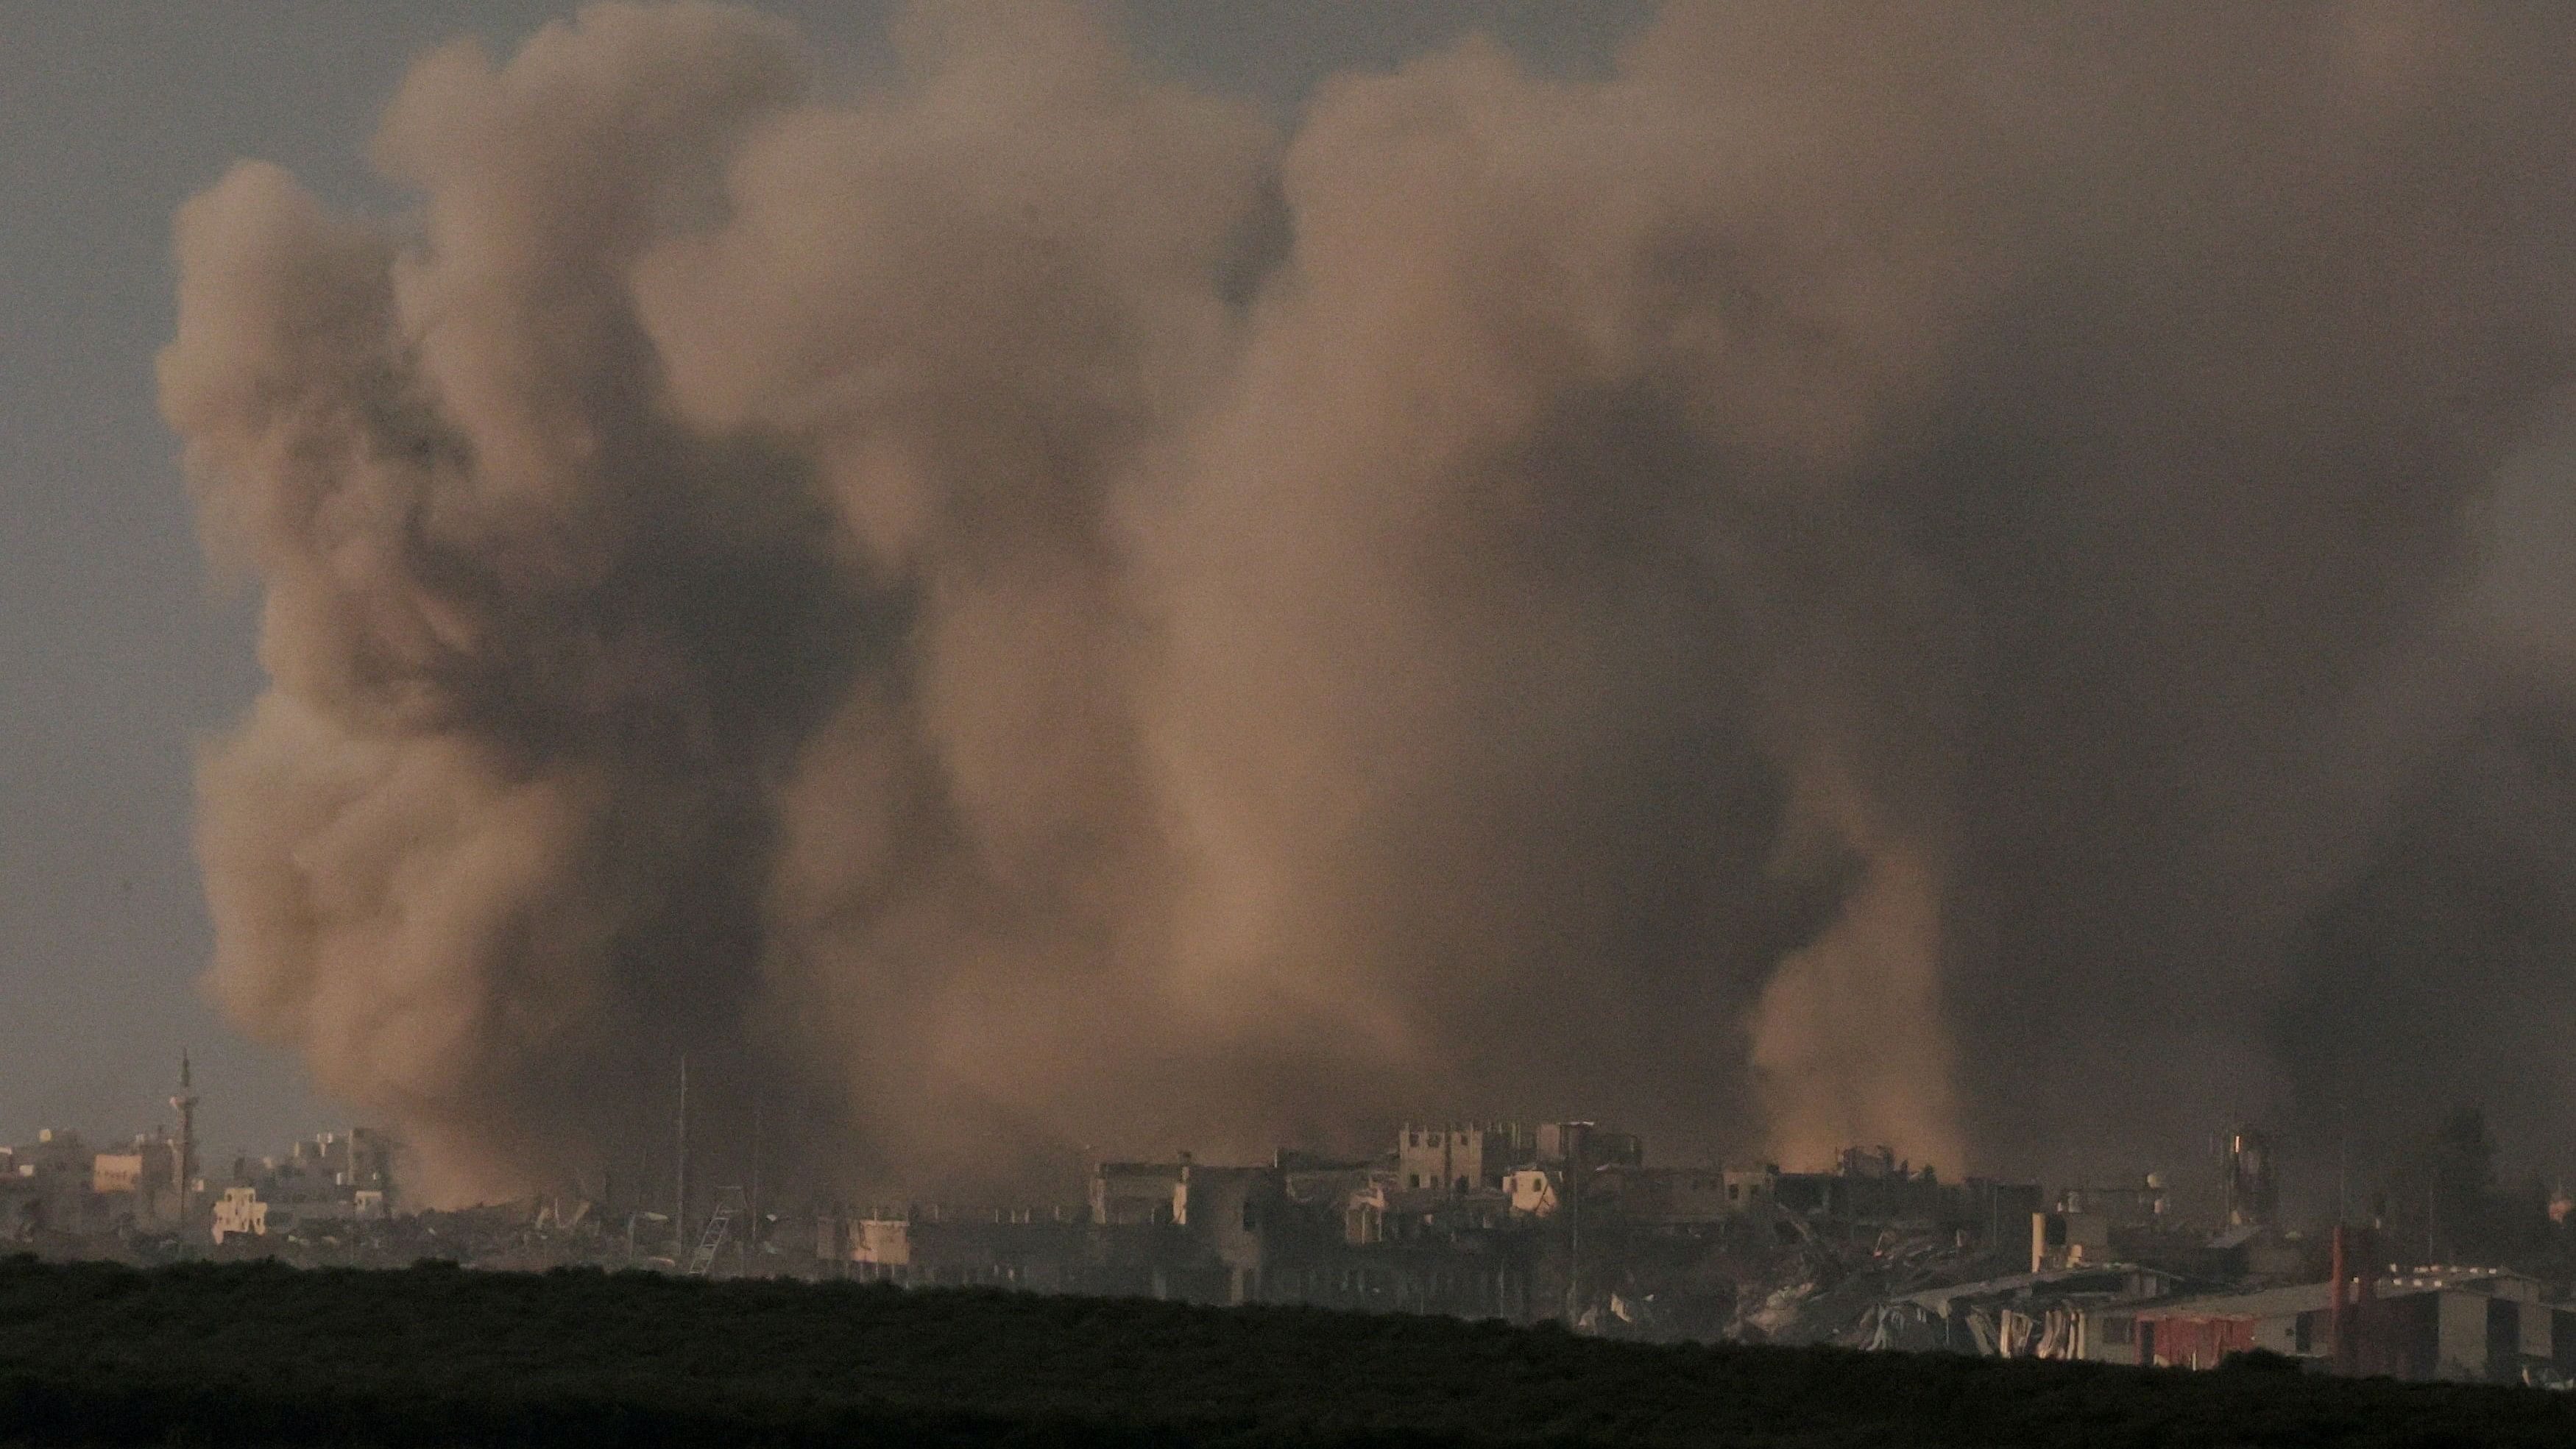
x=260 y=1354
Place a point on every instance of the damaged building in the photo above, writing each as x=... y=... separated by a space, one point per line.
x=1562 y=1220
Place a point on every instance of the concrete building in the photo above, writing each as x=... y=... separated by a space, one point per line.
x=1871 y=1190
x=926 y=1247
x=248 y=1210
x=2138 y=1204
x=1867 y=1187
x=1478 y=1275
x=55 y=1174
x=360 y=1160
x=54 y=1156
x=2068 y=1240
x=1589 y=1144
x=1384 y=1247
x=21 y=1206
x=343 y=1163
x=1752 y=1187
x=1663 y=1197
x=1325 y=1190
x=1460 y=1157
x=1229 y=1215
x=1342 y=1199
x=2126 y=1221
x=1208 y=1231
x=323 y=1182
x=122 y=1172
x=2250 y=1176
x=140 y=1186
x=1199 y=1219
x=1127 y=1194
x=238 y=1212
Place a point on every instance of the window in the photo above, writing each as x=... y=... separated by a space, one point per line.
x=1413 y=1179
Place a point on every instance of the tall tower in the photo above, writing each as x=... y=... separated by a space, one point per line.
x=184 y=1170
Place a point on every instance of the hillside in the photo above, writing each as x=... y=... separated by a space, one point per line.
x=100 y=1354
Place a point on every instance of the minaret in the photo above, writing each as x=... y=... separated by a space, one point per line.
x=186 y=1105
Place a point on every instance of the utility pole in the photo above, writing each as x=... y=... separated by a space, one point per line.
x=680 y=1194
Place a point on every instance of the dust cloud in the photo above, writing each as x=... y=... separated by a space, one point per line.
x=1876 y=575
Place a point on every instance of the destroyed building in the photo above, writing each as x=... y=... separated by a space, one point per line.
x=2039 y=1314
x=1459 y=1158
x=924 y=1248
x=329 y=1178
x=1565 y=1220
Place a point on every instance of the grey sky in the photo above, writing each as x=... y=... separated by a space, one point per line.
x=116 y=649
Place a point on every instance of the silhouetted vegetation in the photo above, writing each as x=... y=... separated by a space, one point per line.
x=102 y=1354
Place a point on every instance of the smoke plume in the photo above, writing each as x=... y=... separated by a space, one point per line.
x=1879 y=574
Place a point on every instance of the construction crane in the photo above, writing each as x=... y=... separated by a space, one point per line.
x=729 y=1205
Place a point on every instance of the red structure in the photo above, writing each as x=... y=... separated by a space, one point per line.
x=2190 y=1340
x=2367 y=1336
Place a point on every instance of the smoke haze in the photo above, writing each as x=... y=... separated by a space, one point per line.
x=1878 y=575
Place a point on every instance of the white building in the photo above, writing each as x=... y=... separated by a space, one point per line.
x=1532 y=1191
x=240 y=1213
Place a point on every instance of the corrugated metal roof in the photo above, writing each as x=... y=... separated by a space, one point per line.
x=2267 y=1303
x=2018 y=1284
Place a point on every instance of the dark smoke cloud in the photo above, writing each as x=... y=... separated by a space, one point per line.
x=1880 y=574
